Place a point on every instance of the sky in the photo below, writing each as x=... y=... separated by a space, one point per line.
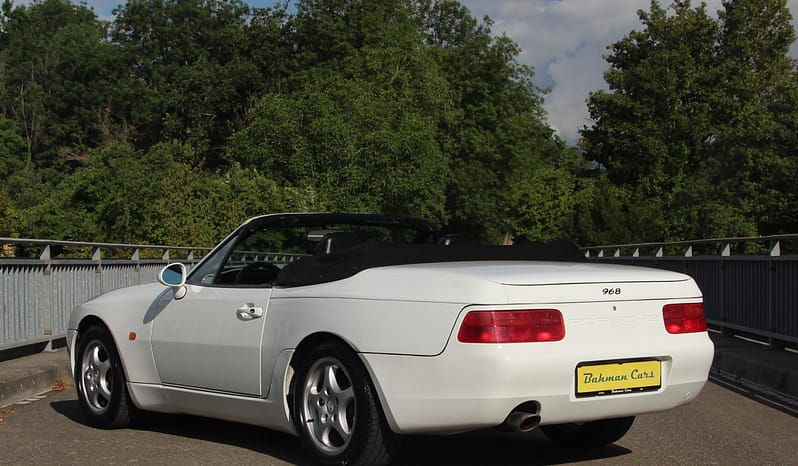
x=564 y=40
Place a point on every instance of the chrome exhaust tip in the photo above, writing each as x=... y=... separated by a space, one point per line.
x=523 y=418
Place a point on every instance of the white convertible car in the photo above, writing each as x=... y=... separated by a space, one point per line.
x=350 y=330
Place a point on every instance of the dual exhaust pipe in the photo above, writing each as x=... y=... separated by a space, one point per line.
x=523 y=418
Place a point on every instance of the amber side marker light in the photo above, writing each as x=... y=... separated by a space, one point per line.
x=684 y=318
x=131 y=336
x=521 y=326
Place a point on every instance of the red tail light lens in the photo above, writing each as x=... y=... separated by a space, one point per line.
x=522 y=326
x=684 y=318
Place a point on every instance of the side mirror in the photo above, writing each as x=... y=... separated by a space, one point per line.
x=174 y=276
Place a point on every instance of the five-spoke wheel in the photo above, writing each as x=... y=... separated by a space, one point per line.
x=329 y=406
x=100 y=380
x=336 y=411
x=96 y=376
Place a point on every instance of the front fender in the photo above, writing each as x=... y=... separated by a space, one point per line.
x=128 y=314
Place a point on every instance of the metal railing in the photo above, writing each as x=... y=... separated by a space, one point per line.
x=39 y=289
x=749 y=284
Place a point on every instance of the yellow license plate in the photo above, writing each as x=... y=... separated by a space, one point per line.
x=617 y=377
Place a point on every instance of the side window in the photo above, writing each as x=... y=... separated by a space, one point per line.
x=206 y=272
x=254 y=258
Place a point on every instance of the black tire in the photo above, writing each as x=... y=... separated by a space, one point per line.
x=336 y=411
x=592 y=434
x=100 y=381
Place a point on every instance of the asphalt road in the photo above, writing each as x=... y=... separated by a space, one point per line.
x=719 y=427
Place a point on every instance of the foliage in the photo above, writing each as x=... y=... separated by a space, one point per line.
x=10 y=218
x=12 y=148
x=59 y=80
x=126 y=197
x=197 y=68
x=403 y=107
x=178 y=119
x=701 y=118
x=363 y=138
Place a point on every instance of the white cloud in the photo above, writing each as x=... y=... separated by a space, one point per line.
x=565 y=41
x=572 y=85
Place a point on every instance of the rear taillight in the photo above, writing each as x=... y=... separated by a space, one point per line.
x=684 y=318
x=522 y=326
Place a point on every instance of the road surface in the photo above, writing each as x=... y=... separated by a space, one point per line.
x=719 y=427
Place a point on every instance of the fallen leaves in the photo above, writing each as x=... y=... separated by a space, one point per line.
x=6 y=411
x=60 y=386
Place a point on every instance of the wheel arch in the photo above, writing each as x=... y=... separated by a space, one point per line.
x=87 y=322
x=84 y=324
x=318 y=338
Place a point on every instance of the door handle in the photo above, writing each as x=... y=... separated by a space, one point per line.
x=249 y=312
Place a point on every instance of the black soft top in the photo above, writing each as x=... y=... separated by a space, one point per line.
x=346 y=262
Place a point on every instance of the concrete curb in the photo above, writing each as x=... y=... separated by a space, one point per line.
x=754 y=368
x=32 y=375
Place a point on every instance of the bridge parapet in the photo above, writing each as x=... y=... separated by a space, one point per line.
x=41 y=281
x=750 y=285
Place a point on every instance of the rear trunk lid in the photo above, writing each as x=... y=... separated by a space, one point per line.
x=553 y=282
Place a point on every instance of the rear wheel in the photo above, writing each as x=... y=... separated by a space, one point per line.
x=336 y=411
x=591 y=434
x=100 y=381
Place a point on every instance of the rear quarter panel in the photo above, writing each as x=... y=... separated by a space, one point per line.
x=395 y=310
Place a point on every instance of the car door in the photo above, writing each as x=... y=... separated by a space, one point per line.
x=211 y=337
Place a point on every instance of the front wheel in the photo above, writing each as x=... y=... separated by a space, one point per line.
x=591 y=434
x=336 y=411
x=100 y=381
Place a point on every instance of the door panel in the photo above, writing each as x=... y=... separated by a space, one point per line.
x=211 y=339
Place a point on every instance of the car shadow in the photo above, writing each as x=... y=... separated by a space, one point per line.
x=261 y=440
x=474 y=448
x=491 y=446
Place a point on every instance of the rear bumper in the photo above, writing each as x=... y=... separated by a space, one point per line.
x=473 y=386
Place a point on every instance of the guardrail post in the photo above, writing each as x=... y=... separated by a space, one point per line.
x=722 y=274
x=96 y=258
x=775 y=248
x=46 y=296
x=775 y=251
x=137 y=268
x=726 y=251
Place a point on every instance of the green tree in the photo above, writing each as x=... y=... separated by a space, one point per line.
x=59 y=81
x=758 y=115
x=11 y=221
x=653 y=129
x=124 y=196
x=454 y=84
x=498 y=135
x=199 y=65
x=402 y=106
x=698 y=111
x=13 y=149
x=367 y=143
